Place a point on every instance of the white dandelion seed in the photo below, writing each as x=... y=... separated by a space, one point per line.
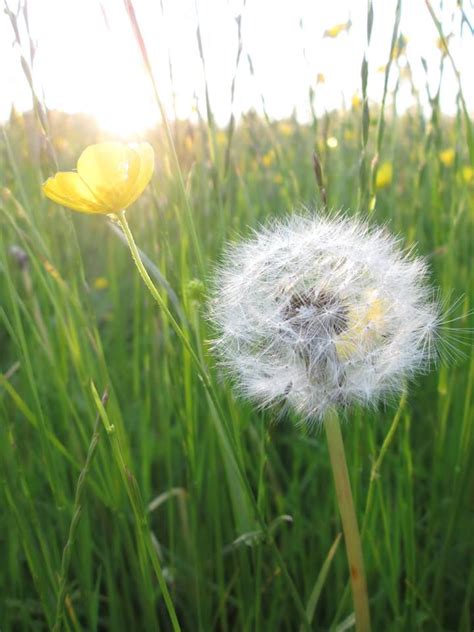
x=319 y=313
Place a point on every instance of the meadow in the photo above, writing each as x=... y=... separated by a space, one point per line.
x=135 y=496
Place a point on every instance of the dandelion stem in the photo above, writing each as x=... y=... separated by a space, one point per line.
x=349 y=522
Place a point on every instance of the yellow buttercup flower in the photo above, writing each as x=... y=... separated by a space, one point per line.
x=384 y=175
x=101 y=283
x=356 y=101
x=447 y=157
x=400 y=47
x=110 y=176
x=467 y=173
x=269 y=158
x=337 y=29
x=349 y=135
x=286 y=128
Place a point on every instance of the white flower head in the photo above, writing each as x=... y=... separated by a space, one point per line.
x=320 y=312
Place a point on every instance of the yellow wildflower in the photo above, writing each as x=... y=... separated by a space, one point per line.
x=356 y=101
x=400 y=47
x=467 y=173
x=349 y=135
x=101 y=283
x=286 y=128
x=447 y=157
x=384 y=175
x=332 y=142
x=222 y=138
x=320 y=78
x=110 y=176
x=337 y=29
x=268 y=158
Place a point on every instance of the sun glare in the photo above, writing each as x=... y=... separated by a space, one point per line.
x=92 y=64
x=126 y=117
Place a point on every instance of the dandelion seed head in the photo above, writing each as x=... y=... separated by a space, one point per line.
x=318 y=312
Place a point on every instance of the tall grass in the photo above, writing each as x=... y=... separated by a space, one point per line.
x=171 y=481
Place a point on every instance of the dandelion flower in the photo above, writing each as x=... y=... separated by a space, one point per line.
x=318 y=313
x=109 y=178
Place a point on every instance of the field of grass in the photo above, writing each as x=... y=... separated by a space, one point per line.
x=135 y=495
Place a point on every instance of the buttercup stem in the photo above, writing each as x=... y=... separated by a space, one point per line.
x=208 y=386
x=157 y=296
x=154 y=292
x=349 y=522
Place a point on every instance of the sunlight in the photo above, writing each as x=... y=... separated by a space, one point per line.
x=92 y=64
x=125 y=115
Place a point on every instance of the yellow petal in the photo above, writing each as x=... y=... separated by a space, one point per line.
x=110 y=170
x=147 y=164
x=68 y=189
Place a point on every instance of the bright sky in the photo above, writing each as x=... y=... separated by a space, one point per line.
x=87 y=60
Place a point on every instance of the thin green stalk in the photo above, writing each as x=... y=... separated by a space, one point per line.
x=464 y=108
x=365 y=123
x=349 y=522
x=381 y=123
x=203 y=374
x=144 y=540
x=374 y=474
x=76 y=515
x=157 y=296
x=319 y=584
